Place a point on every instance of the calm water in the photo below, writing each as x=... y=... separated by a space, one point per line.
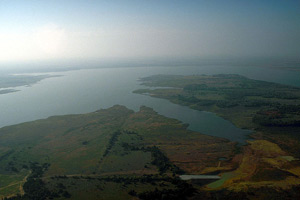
x=85 y=91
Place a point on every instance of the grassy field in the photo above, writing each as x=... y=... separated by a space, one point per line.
x=11 y=184
x=92 y=155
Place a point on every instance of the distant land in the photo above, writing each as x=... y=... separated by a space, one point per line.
x=117 y=153
x=271 y=110
x=289 y=68
x=248 y=103
x=70 y=65
x=11 y=81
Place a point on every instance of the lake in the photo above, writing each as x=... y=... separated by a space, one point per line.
x=87 y=90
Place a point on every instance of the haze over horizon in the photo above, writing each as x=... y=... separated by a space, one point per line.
x=43 y=31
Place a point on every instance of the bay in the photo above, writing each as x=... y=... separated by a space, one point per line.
x=87 y=90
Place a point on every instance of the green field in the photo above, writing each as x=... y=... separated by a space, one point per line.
x=10 y=183
x=73 y=156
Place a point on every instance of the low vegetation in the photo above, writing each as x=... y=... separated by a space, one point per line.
x=109 y=154
x=270 y=110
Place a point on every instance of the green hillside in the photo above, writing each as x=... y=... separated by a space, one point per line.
x=107 y=154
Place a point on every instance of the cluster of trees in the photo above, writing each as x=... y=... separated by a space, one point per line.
x=288 y=109
x=182 y=191
x=279 y=116
x=226 y=104
x=159 y=159
x=35 y=188
x=236 y=93
x=141 y=179
x=251 y=193
x=259 y=91
x=187 y=98
x=196 y=87
x=11 y=167
x=206 y=102
x=152 y=179
x=279 y=95
x=235 y=97
x=257 y=103
x=128 y=147
x=162 y=162
x=130 y=132
x=270 y=121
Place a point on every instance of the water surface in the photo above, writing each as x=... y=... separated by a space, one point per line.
x=84 y=91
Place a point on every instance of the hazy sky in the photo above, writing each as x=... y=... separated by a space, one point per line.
x=37 y=30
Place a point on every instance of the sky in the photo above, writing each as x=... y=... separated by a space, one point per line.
x=40 y=30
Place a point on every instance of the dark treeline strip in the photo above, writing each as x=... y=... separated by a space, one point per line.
x=120 y=179
x=182 y=191
x=111 y=142
x=159 y=159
